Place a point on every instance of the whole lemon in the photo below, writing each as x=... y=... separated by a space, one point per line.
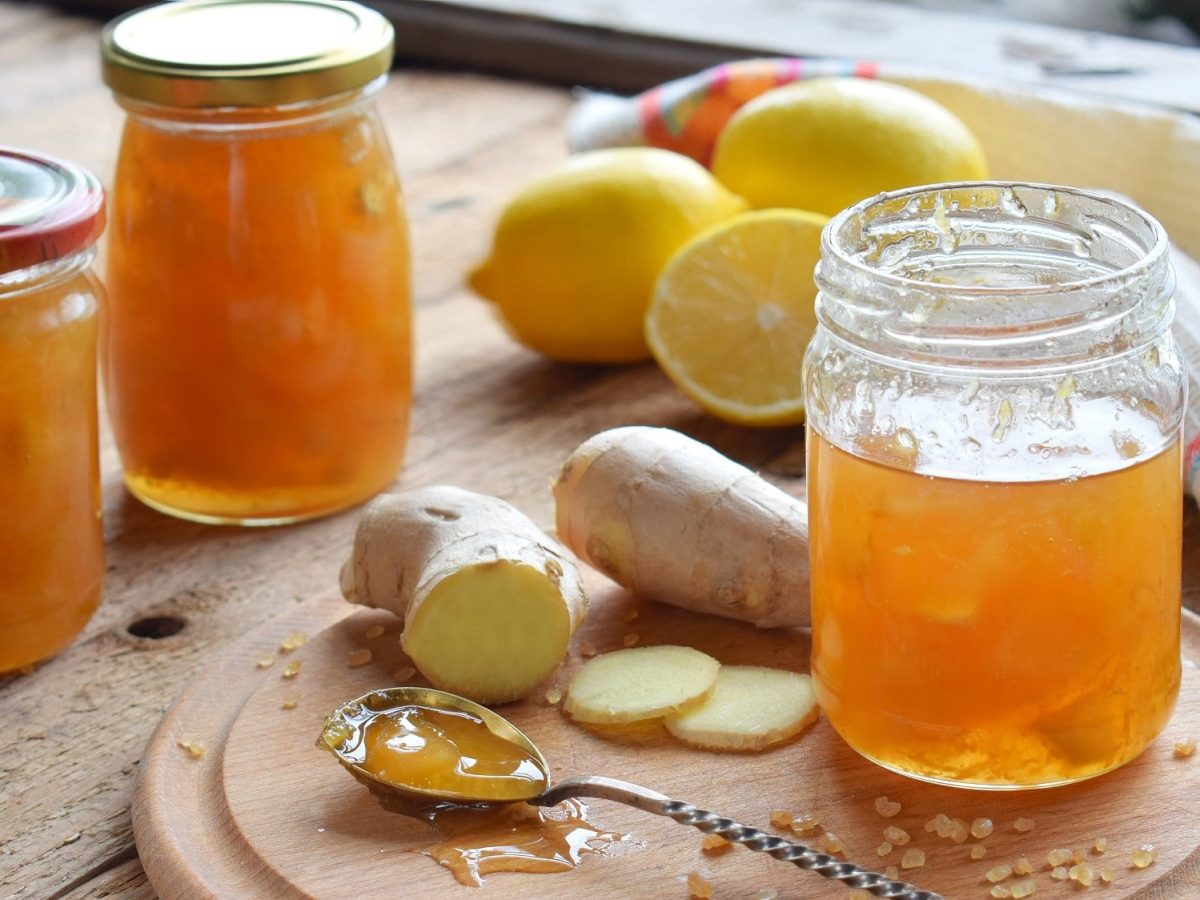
x=576 y=253
x=825 y=144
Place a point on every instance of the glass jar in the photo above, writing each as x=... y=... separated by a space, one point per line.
x=51 y=542
x=257 y=359
x=994 y=483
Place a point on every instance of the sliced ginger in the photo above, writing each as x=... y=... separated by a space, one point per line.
x=489 y=602
x=750 y=708
x=639 y=683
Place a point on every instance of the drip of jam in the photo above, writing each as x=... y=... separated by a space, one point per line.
x=516 y=838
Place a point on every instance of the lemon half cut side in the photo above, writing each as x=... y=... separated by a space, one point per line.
x=732 y=314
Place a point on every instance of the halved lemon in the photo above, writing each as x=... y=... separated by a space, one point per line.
x=733 y=312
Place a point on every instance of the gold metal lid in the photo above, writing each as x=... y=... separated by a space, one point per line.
x=215 y=53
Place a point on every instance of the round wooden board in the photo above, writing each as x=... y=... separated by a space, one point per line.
x=264 y=813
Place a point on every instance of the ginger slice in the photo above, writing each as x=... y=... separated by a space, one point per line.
x=639 y=683
x=750 y=708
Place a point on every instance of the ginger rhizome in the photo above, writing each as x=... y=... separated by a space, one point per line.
x=489 y=602
x=673 y=520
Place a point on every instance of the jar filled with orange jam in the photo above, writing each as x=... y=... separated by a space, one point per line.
x=257 y=357
x=994 y=483
x=51 y=543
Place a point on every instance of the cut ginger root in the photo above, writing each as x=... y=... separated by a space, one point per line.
x=673 y=520
x=750 y=708
x=489 y=602
x=639 y=683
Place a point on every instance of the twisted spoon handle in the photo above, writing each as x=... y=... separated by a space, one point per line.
x=601 y=788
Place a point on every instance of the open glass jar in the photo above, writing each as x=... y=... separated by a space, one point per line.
x=51 y=541
x=257 y=356
x=994 y=483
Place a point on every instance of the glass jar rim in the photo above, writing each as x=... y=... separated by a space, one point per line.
x=831 y=248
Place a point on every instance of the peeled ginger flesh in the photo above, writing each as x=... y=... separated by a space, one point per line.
x=749 y=708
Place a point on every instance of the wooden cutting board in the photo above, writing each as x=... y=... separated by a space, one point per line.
x=263 y=813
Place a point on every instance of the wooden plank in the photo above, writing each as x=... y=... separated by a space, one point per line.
x=628 y=45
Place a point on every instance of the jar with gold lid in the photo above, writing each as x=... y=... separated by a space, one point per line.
x=257 y=356
x=51 y=542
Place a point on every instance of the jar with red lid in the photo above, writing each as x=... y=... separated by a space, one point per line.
x=51 y=543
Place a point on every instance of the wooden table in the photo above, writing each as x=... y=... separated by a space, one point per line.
x=489 y=416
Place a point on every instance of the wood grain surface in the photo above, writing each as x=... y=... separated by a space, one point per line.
x=489 y=416
x=264 y=813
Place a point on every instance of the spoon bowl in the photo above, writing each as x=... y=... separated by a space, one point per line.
x=344 y=735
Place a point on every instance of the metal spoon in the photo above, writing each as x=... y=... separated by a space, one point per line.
x=344 y=732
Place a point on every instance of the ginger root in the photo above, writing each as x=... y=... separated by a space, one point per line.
x=640 y=683
x=489 y=602
x=750 y=708
x=673 y=520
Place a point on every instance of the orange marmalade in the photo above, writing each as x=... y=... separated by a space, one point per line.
x=257 y=356
x=994 y=483
x=51 y=541
x=987 y=632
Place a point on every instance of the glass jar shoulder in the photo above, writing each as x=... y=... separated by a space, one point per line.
x=1017 y=425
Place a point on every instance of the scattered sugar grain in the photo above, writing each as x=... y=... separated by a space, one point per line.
x=357 y=658
x=293 y=641
x=192 y=747
x=998 y=873
x=1078 y=856
x=1023 y=867
x=291 y=670
x=265 y=661
x=1024 y=825
x=1058 y=857
x=1059 y=873
x=913 y=858
x=831 y=843
x=891 y=873
x=781 y=818
x=554 y=694
x=1100 y=845
x=981 y=828
x=1083 y=873
x=630 y=640
x=587 y=649
x=766 y=894
x=883 y=849
x=897 y=836
x=1000 y=891
x=858 y=894
x=631 y=614
x=699 y=886
x=886 y=808
x=1144 y=855
x=1023 y=889
x=958 y=831
x=402 y=675
x=290 y=702
x=1106 y=874
x=1185 y=748
x=804 y=823
x=715 y=845
x=978 y=851
x=373 y=632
